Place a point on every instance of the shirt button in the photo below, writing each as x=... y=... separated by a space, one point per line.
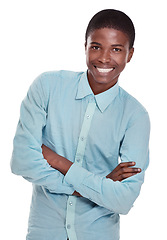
x=78 y=160
x=82 y=138
x=70 y=203
x=88 y=116
x=68 y=226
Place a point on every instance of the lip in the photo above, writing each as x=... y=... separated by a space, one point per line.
x=104 y=70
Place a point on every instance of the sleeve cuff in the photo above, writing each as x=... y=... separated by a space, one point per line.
x=75 y=176
x=82 y=180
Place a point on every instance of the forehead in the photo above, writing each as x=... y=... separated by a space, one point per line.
x=108 y=36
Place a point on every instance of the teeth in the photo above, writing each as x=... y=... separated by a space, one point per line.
x=105 y=70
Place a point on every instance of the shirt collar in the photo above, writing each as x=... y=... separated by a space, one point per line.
x=103 y=99
x=84 y=88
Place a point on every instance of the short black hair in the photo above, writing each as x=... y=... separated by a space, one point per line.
x=111 y=18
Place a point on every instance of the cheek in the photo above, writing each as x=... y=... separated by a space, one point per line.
x=87 y=57
x=88 y=61
x=91 y=56
x=121 y=60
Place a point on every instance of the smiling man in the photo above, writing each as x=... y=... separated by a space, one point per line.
x=107 y=52
x=73 y=129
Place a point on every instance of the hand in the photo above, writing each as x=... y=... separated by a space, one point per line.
x=123 y=171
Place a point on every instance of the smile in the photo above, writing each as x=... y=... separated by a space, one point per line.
x=104 y=70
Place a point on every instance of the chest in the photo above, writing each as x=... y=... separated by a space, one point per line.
x=69 y=123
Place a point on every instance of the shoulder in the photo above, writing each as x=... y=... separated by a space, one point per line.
x=132 y=108
x=52 y=80
x=130 y=102
x=53 y=77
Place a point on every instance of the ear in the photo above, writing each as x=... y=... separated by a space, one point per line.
x=131 y=51
x=85 y=45
x=85 y=48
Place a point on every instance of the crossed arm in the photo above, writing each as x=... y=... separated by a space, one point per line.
x=117 y=195
x=121 y=172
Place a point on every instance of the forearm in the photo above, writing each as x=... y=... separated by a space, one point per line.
x=122 y=171
x=57 y=162
x=34 y=168
x=116 y=196
x=105 y=193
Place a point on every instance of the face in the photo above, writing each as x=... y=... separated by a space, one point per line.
x=107 y=52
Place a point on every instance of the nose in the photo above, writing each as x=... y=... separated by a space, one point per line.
x=105 y=57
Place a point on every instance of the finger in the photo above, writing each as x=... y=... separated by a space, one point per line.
x=125 y=176
x=123 y=165
x=127 y=164
x=126 y=173
x=128 y=170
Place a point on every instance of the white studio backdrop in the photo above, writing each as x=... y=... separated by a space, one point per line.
x=44 y=35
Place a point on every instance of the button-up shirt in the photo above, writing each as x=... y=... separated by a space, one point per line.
x=95 y=132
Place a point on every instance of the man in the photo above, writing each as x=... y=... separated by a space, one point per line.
x=73 y=129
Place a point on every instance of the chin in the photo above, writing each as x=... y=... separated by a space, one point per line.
x=105 y=79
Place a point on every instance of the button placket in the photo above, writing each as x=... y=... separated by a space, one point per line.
x=70 y=217
x=84 y=131
x=71 y=203
x=82 y=138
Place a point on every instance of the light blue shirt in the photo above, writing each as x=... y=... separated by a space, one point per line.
x=93 y=131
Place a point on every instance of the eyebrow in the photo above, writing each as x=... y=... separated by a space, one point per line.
x=95 y=43
x=117 y=45
x=113 y=45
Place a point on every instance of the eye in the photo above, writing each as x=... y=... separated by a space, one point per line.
x=95 y=47
x=117 y=49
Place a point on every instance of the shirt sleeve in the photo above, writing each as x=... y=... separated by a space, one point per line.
x=27 y=158
x=117 y=196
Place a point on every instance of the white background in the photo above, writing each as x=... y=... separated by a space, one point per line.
x=38 y=36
